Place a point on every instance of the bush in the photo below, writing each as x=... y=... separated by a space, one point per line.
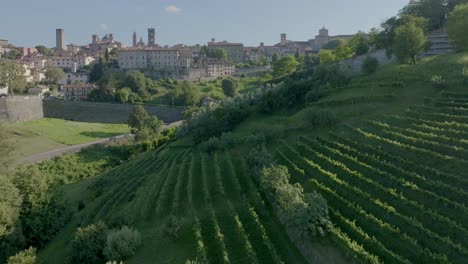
x=369 y=65
x=457 y=26
x=88 y=243
x=319 y=117
x=122 y=244
x=173 y=227
x=27 y=256
x=438 y=82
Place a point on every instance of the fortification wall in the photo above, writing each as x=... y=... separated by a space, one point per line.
x=21 y=109
x=354 y=65
x=104 y=112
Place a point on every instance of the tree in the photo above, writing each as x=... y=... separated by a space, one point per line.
x=229 y=87
x=11 y=237
x=122 y=95
x=434 y=11
x=27 y=256
x=13 y=54
x=186 y=94
x=12 y=76
x=457 y=27
x=144 y=126
x=221 y=54
x=275 y=58
x=285 y=65
x=326 y=56
x=359 y=44
x=44 y=51
x=410 y=40
x=137 y=82
x=54 y=75
x=98 y=71
x=87 y=244
x=136 y=120
x=333 y=44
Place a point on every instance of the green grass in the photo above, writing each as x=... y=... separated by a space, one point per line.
x=47 y=134
x=394 y=176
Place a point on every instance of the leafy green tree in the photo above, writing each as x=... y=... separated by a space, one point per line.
x=44 y=51
x=410 y=40
x=343 y=52
x=137 y=119
x=457 y=27
x=326 y=56
x=229 y=87
x=27 y=256
x=285 y=65
x=221 y=54
x=333 y=44
x=122 y=95
x=144 y=126
x=54 y=75
x=13 y=54
x=12 y=76
x=275 y=58
x=186 y=94
x=359 y=44
x=87 y=244
x=98 y=70
x=137 y=82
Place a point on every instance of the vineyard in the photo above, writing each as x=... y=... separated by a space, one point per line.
x=224 y=218
x=397 y=188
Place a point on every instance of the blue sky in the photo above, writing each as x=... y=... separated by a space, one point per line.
x=31 y=22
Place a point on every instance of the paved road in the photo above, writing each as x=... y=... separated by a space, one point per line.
x=77 y=148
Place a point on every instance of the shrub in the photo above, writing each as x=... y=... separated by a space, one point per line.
x=121 y=244
x=88 y=243
x=437 y=81
x=173 y=226
x=369 y=65
x=457 y=25
x=319 y=117
x=27 y=256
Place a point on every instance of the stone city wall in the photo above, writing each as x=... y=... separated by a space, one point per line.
x=21 y=108
x=104 y=112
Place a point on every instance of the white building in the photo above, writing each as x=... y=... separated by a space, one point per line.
x=150 y=57
x=69 y=62
x=219 y=68
x=74 y=77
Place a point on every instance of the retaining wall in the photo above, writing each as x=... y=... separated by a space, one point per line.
x=21 y=109
x=104 y=112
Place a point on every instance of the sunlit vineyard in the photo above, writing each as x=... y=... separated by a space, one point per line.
x=397 y=187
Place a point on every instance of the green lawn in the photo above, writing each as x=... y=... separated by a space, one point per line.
x=47 y=134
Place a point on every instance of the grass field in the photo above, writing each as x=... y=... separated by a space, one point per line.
x=47 y=134
x=393 y=170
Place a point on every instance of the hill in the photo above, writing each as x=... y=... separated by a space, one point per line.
x=387 y=151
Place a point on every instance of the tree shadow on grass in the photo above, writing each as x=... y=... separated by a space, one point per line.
x=97 y=134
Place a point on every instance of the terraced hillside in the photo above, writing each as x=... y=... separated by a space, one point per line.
x=397 y=186
x=224 y=218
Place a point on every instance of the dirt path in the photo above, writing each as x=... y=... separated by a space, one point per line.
x=77 y=148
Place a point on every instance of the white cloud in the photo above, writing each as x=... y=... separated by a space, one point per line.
x=104 y=27
x=172 y=9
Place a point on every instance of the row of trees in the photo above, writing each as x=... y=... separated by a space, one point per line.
x=31 y=213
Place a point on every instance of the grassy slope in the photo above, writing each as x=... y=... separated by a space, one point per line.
x=187 y=183
x=47 y=134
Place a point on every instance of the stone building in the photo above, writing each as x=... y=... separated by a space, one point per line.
x=149 y=57
x=106 y=43
x=75 y=77
x=219 y=68
x=76 y=92
x=59 y=39
x=235 y=51
x=69 y=62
